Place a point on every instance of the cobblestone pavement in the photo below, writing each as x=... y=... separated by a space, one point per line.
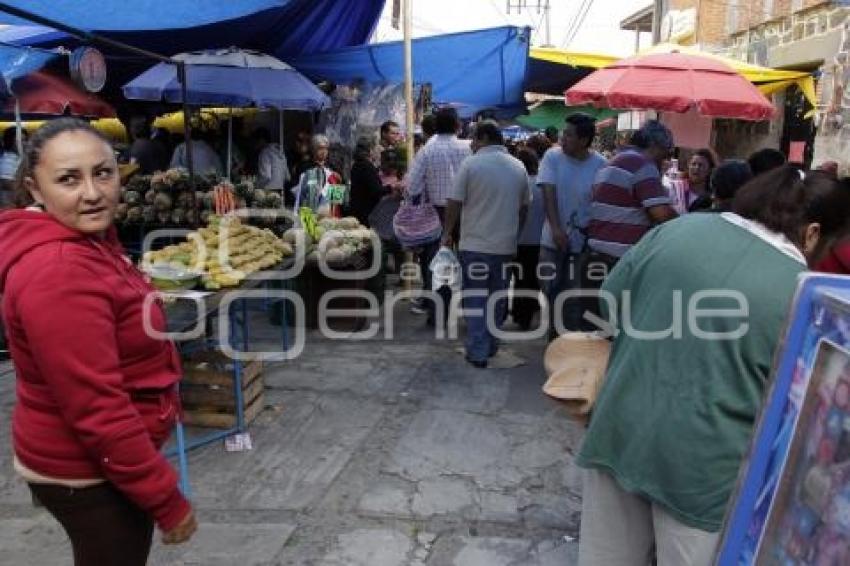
x=372 y=453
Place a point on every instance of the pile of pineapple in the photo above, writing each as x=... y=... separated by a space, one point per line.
x=166 y=198
x=224 y=253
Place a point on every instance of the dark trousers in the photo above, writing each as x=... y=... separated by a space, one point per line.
x=425 y=256
x=105 y=528
x=523 y=309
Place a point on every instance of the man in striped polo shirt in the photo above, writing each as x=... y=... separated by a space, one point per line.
x=628 y=198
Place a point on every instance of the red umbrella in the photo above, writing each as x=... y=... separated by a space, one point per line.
x=43 y=94
x=673 y=82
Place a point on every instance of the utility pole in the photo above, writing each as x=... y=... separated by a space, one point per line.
x=540 y=6
x=408 y=77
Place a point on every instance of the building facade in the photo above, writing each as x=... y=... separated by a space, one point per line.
x=802 y=35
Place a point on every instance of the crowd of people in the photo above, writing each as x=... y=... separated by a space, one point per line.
x=670 y=427
x=679 y=402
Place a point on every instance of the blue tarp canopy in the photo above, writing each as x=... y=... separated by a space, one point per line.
x=17 y=62
x=278 y=27
x=473 y=70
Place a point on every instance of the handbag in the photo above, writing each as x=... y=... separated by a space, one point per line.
x=381 y=217
x=417 y=223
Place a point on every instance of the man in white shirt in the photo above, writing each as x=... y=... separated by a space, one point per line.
x=204 y=158
x=491 y=189
x=272 y=169
x=432 y=176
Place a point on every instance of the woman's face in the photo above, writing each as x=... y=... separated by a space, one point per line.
x=76 y=180
x=698 y=169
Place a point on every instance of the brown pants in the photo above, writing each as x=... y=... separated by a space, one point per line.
x=105 y=528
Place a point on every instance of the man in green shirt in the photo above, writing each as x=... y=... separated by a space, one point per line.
x=699 y=305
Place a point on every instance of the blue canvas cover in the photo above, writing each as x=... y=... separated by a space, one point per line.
x=277 y=27
x=473 y=70
x=16 y=62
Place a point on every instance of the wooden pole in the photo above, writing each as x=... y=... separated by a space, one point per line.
x=408 y=78
x=408 y=103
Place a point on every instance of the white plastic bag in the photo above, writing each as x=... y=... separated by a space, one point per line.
x=445 y=270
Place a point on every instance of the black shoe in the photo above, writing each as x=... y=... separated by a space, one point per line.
x=479 y=365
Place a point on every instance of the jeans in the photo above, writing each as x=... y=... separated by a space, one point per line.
x=425 y=256
x=484 y=273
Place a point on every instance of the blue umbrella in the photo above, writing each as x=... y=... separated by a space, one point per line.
x=15 y=63
x=230 y=77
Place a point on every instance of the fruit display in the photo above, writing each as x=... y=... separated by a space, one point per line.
x=223 y=253
x=166 y=198
x=336 y=240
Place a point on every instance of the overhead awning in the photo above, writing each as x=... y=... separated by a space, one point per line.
x=473 y=70
x=278 y=27
x=552 y=69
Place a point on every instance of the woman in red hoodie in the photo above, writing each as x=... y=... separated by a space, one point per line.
x=95 y=392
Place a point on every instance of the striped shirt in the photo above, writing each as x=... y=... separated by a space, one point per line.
x=624 y=189
x=435 y=166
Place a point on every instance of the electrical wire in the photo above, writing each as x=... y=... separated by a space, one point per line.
x=573 y=34
x=572 y=23
x=500 y=12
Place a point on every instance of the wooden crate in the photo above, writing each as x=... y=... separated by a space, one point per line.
x=207 y=390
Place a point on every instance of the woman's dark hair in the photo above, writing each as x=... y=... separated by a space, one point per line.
x=32 y=151
x=585 y=126
x=529 y=159
x=446 y=121
x=709 y=156
x=785 y=202
x=730 y=176
x=765 y=159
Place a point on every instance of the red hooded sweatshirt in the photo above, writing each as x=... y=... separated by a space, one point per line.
x=95 y=393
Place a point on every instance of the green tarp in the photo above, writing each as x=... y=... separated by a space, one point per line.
x=554 y=112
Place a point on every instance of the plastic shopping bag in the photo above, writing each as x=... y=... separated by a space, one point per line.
x=445 y=270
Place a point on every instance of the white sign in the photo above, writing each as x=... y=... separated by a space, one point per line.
x=678 y=25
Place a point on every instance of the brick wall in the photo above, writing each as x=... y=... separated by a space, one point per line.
x=783 y=19
x=712 y=22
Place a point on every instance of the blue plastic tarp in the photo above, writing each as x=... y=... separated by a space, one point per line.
x=17 y=62
x=473 y=70
x=278 y=27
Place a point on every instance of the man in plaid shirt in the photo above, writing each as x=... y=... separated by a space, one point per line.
x=432 y=176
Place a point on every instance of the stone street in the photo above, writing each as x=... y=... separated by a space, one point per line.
x=373 y=453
